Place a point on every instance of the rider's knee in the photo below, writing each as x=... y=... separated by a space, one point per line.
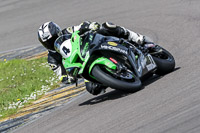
x=93 y=88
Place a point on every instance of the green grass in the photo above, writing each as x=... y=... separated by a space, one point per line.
x=22 y=81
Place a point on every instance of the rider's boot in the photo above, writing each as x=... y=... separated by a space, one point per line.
x=141 y=40
x=135 y=37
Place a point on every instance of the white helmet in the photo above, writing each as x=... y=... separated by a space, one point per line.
x=48 y=33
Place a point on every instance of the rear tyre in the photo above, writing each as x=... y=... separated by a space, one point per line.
x=119 y=84
x=164 y=60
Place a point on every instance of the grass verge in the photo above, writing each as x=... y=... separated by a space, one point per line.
x=23 y=81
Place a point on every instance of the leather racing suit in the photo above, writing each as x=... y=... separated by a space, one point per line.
x=110 y=29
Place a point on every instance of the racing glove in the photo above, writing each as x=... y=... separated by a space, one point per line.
x=94 y=26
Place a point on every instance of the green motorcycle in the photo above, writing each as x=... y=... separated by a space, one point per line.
x=111 y=61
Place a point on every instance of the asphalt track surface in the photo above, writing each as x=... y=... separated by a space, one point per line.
x=169 y=104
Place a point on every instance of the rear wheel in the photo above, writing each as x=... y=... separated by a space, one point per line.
x=125 y=81
x=164 y=60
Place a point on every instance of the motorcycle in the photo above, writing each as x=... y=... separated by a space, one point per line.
x=111 y=61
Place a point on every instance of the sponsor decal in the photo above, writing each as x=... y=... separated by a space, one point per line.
x=112 y=43
x=91 y=37
x=114 y=49
x=75 y=37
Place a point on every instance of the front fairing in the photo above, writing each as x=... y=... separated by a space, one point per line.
x=68 y=46
x=71 y=49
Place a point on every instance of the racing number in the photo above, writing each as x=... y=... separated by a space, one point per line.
x=65 y=50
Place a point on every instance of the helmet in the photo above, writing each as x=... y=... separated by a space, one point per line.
x=48 y=33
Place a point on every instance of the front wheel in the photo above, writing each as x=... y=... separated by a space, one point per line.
x=164 y=60
x=110 y=80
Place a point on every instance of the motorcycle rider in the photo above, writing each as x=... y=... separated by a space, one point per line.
x=50 y=31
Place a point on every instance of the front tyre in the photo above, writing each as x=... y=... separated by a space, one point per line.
x=120 y=84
